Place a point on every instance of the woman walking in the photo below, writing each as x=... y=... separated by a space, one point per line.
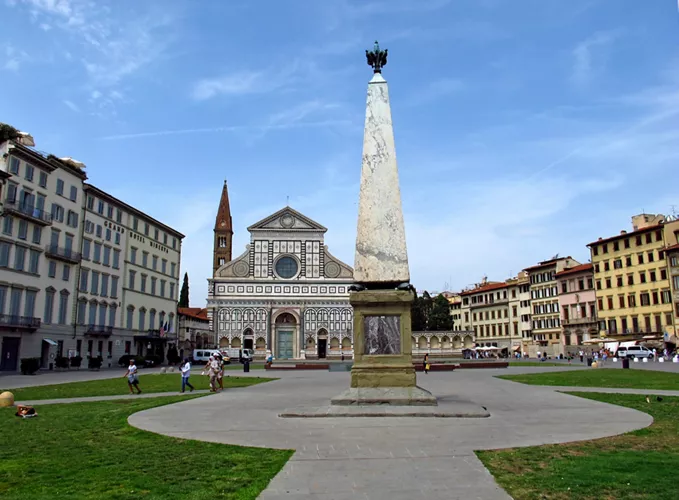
x=186 y=373
x=132 y=378
x=426 y=363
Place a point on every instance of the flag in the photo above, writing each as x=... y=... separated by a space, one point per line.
x=162 y=330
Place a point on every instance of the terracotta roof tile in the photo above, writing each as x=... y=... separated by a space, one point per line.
x=672 y=248
x=486 y=288
x=577 y=269
x=625 y=235
x=199 y=313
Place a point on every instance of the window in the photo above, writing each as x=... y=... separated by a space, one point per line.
x=84 y=278
x=130 y=283
x=109 y=212
x=11 y=192
x=95 y=283
x=595 y=251
x=152 y=318
x=4 y=255
x=668 y=319
x=99 y=229
x=29 y=303
x=663 y=274
x=72 y=219
x=143 y=283
x=162 y=288
x=60 y=187
x=146 y=228
x=640 y=256
x=52 y=269
x=63 y=307
x=93 y=313
x=119 y=216
x=14 y=165
x=108 y=234
x=86 y=248
x=102 y=314
x=104 y=285
x=23 y=230
x=133 y=255
x=607 y=267
x=57 y=212
x=645 y=299
x=130 y=315
x=117 y=239
x=608 y=283
x=116 y=258
x=642 y=277
x=90 y=202
x=154 y=263
x=654 y=296
x=651 y=257
x=37 y=234
x=114 y=287
x=173 y=268
x=658 y=235
x=66 y=274
x=598 y=284
x=628 y=261
x=652 y=276
x=620 y=281
x=153 y=286
x=164 y=238
x=675 y=282
x=97 y=252
x=42 y=182
x=630 y=279
x=33 y=261
x=145 y=259
x=621 y=301
x=605 y=248
x=82 y=306
x=100 y=207
x=49 y=305
x=111 y=321
x=564 y=287
x=649 y=238
x=156 y=235
x=172 y=296
x=74 y=193
x=617 y=264
x=107 y=256
x=610 y=302
x=135 y=224
x=666 y=297
x=142 y=318
x=631 y=300
x=7 y=225
x=19 y=258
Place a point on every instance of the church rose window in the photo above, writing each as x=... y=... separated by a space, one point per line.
x=286 y=267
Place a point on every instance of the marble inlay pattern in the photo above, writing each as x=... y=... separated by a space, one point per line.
x=382 y=334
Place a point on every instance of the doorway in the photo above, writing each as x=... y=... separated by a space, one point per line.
x=248 y=342
x=322 y=348
x=284 y=344
x=10 y=354
x=44 y=354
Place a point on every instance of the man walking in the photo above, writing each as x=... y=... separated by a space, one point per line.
x=186 y=373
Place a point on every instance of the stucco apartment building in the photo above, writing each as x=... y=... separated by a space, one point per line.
x=672 y=256
x=63 y=244
x=545 y=309
x=577 y=301
x=194 y=330
x=633 y=286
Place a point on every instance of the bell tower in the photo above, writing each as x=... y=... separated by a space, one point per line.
x=223 y=232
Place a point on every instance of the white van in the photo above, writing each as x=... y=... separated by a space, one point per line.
x=236 y=354
x=203 y=355
x=635 y=351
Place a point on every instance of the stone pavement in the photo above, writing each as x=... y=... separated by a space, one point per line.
x=400 y=458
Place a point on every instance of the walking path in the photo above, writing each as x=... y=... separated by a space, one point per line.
x=143 y=395
x=402 y=458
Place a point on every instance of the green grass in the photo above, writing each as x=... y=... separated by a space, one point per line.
x=596 y=377
x=638 y=465
x=170 y=382
x=88 y=451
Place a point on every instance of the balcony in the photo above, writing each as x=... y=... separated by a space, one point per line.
x=578 y=321
x=65 y=254
x=99 y=331
x=27 y=212
x=26 y=323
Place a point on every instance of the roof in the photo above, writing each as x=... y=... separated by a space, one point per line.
x=131 y=209
x=199 y=313
x=626 y=234
x=294 y=221
x=546 y=263
x=673 y=248
x=582 y=268
x=223 y=220
x=486 y=288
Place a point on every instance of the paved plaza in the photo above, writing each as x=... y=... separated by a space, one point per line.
x=394 y=458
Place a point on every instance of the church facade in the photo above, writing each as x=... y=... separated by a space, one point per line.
x=286 y=294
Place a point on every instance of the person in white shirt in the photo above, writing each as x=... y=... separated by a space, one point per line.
x=186 y=373
x=132 y=378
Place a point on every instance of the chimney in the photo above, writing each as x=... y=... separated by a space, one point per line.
x=623 y=232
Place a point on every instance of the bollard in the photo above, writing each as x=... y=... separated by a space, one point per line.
x=661 y=360
x=645 y=360
x=6 y=399
x=636 y=360
x=615 y=360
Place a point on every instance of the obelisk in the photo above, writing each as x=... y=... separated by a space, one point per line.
x=383 y=371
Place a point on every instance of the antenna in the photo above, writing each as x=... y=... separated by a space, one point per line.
x=287 y=200
x=674 y=210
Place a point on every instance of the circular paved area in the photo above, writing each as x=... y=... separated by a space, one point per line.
x=395 y=458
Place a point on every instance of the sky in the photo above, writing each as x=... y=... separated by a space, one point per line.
x=524 y=128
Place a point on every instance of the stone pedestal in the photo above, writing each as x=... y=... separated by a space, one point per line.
x=383 y=371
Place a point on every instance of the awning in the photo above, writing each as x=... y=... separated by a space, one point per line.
x=49 y=341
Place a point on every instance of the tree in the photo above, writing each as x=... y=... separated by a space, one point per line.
x=439 y=317
x=184 y=294
x=420 y=311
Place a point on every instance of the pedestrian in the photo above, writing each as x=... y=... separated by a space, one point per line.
x=220 y=372
x=426 y=363
x=186 y=373
x=132 y=377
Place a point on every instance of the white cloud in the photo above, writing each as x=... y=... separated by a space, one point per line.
x=244 y=82
x=71 y=105
x=587 y=57
x=13 y=58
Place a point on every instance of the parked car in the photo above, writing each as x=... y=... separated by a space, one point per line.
x=238 y=354
x=635 y=351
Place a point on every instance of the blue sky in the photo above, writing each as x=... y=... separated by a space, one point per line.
x=524 y=128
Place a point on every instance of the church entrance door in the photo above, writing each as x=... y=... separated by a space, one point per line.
x=248 y=344
x=284 y=344
x=322 y=348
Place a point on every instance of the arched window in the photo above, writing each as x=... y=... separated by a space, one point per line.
x=142 y=319
x=92 y=319
x=152 y=319
x=170 y=324
x=162 y=318
x=113 y=308
x=102 y=314
x=130 y=317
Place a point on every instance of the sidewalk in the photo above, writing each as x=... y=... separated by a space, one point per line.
x=143 y=395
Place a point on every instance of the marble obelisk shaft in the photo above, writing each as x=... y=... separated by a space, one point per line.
x=381 y=255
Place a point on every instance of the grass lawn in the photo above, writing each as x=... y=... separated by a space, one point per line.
x=170 y=382
x=596 y=377
x=88 y=451
x=637 y=465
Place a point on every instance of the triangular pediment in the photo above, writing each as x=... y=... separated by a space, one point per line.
x=287 y=219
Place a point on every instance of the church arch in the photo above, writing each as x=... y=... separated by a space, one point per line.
x=346 y=343
x=334 y=343
x=224 y=342
x=468 y=342
x=457 y=342
x=434 y=342
x=260 y=345
x=445 y=342
x=422 y=342
x=235 y=343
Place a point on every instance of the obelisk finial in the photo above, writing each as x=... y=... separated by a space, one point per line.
x=377 y=58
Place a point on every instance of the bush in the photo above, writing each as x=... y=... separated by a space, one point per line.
x=95 y=363
x=125 y=360
x=30 y=365
x=76 y=361
x=61 y=362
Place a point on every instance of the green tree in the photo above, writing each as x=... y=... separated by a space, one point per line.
x=439 y=317
x=184 y=294
x=420 y=312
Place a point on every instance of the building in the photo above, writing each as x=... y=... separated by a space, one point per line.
x=491 y=311
x=194 y=330
x=544 y=301
x=672 y=258
x=577 y=301
x=286 y=294
x=525 y=323
x=633 y=288
x=63 y=248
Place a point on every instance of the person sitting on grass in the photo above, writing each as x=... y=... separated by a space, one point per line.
x=186 y=373
x=132 y=378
